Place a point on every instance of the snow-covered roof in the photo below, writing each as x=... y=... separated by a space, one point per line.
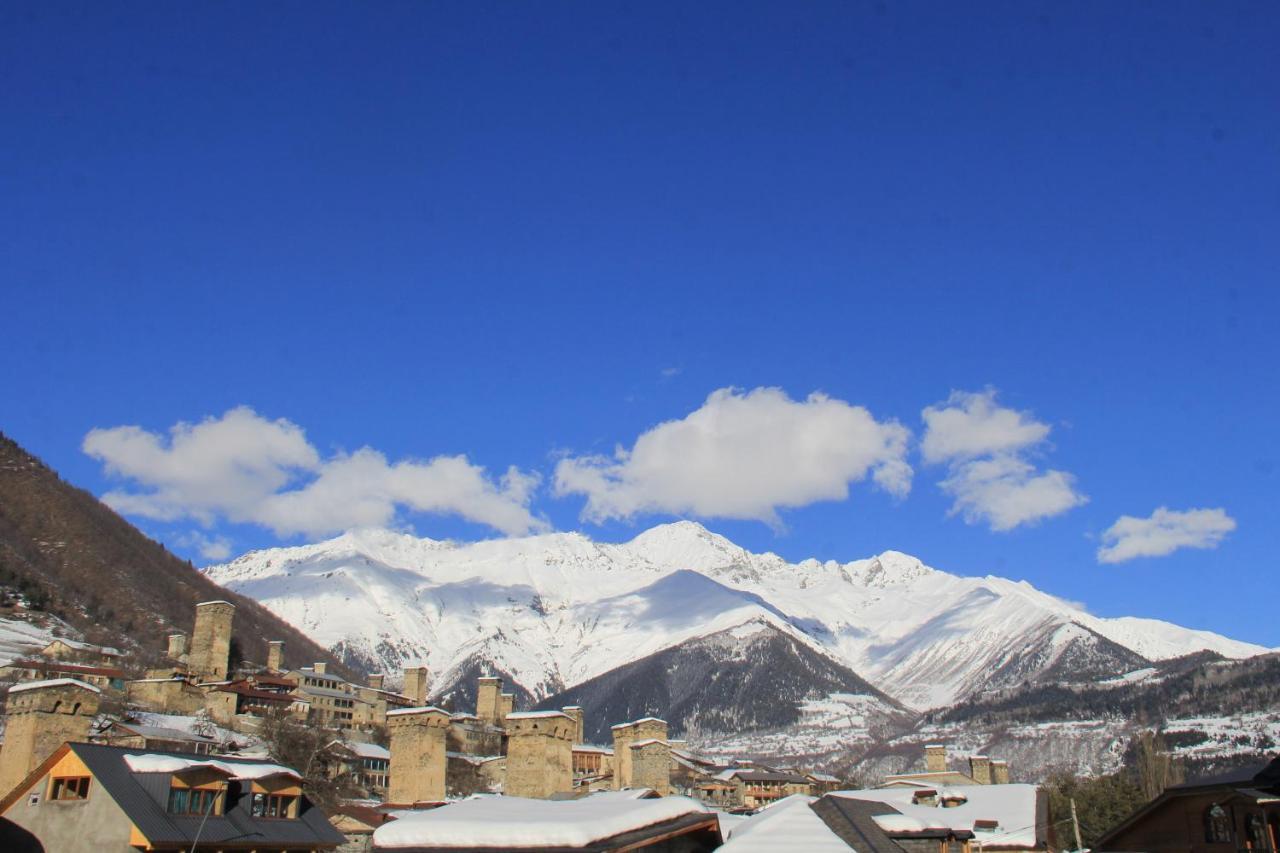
x=215 y=601
x=85 y=647
x=164 y=733
x=788 y=824
x=155 y=763
x=823 y=777
x=53 y=682
x=536 y=715
x=635 y=722
x=519 y=822
x=648 y=742
x=429 y=709
x=1013 y=807
x=366 y=750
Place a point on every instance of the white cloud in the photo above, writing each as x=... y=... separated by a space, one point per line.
x=1164 y=532
x=248 y=469
x=743 y=455
x=986 y=448
x=209 y=547
x=1006 y=491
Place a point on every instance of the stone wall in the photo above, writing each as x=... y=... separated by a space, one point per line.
x=539 y=755
x=489 y=700
x=418 y=762
x=651 y=766
x=210 y=652
x=40 y=719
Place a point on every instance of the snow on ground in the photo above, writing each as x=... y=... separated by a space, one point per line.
x=19 y=638
x=520 y=822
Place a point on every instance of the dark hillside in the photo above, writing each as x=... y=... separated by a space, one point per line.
x=71 y=555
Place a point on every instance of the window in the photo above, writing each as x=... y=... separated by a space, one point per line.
x=1217 y=825
x=196 y=801
x=273 y=805
x=1256 y=831
x=70 y=788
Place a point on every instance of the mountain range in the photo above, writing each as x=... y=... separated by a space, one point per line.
x=555 y=611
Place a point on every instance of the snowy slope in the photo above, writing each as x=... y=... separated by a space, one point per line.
x=554 y=610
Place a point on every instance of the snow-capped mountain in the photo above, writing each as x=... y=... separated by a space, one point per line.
x=556 y=610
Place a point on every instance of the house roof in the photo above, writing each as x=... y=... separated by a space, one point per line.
x=1243 y=782
x=789 y=824
x=53 y=682
x=854 y=822
x=142 y=795
x=597 y=822
x=162 y=733
x=63 y=666
x=1016 y=808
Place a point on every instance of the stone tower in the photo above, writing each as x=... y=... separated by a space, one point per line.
x=506 y=704
x=999 y=773
x=275 y=655
x=417 y=755
x=539 y=754
x=210 y=655
x=377 y=680
x=935 y=758
x=416 y=680
x=43 y=715
x=624 y=735
x=579 y=718
x=489 y=700
x=177 y=646
x=651 y=765
x=980 y=769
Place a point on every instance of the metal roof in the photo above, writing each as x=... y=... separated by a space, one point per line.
x=143 y=798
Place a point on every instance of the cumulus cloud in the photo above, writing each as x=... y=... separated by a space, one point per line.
x=990 y=476
x=245 y=468
x=743 y=455
x=1165 y=531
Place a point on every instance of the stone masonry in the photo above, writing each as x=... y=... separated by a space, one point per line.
x=416 y=679
x=43 y=715
x=489 y=700
x=210 y=653
x=275 y=656
x=935 y=758
x=579 y=718
x=651 y=766
x=625 y=734
x=418 y=760
x=539 y=754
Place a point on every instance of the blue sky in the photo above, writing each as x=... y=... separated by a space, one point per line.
x=530 y=233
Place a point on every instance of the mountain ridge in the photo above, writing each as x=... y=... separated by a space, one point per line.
x=555 y=610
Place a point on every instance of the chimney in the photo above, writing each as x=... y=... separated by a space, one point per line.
x=980 y=769
x=320 y=668
x=275 y=655
x=177 y=646
x=999 y=773
x=935 y=758
x=376 y=680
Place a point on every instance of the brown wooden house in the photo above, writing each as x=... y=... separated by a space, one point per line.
x=1231 y=812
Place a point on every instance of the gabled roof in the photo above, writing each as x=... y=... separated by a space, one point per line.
x=143 y=796
x=1243 y=782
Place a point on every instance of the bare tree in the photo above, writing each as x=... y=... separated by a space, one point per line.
x=1155 y=767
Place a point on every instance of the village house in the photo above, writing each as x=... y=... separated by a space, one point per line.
x=1232 y=811
x=149 y=800
x=74 y=651
x=367 y=764
x=43 y=669
x=162 y=738
x=606 y=821
x=894 y=820
x=982 y=770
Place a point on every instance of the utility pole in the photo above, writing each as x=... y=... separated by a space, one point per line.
x=1075 y=824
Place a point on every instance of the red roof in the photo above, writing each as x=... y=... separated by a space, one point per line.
x=78 y=668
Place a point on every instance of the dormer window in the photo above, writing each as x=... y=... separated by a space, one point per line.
x=275 y=805
x=193 y=801
x=69 y=788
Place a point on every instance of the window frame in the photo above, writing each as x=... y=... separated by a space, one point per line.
x=59 y=785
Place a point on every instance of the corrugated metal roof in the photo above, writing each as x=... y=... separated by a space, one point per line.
x=143 y=797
